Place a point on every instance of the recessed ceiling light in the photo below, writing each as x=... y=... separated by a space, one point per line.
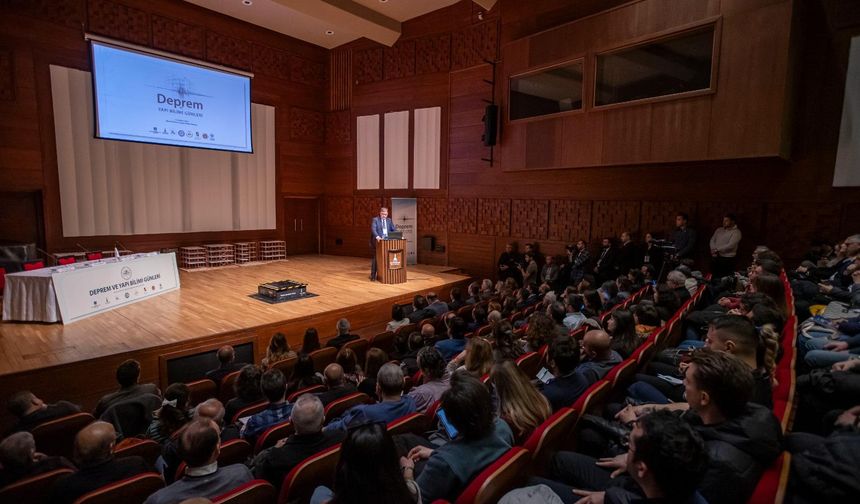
x=247 y=2
x=329 y=32
x=383 y=1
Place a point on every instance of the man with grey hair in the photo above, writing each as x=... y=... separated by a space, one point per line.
x=392 y=405
x=19 y=459
x=97 y=466
x=343 y=335
x=272 y=464
x=678 y=282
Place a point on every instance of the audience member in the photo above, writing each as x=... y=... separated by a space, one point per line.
x=274 y=387
x=566 y=385
x=481 y=440
x=597 y=355
x=573 y=317
x=214 y=410
x=306 y=417
x=476 y=359
x=420 y=309
x=304 y=375
x=277 y=351
x=357 y=482
x=549 y=271
x=666 y=301
x=19 y=459
x=200 y=447
x=627 y=256
x=435 y=379
x=226 y=364
x=456 y=299
x=127 y=375
x=437 y=305
x=684 y=238
x=456 y=341
x=605 y=267
x=32 y=411
x=414 y=343
x=652 y=258
x=398 y=318
x=505 y=345
x=310 y=341
x=373 y=361
x=622 y=327
x=343 y=335
x=677 y=281
x=724 y=247
x=507 y=263
x=97 y=466
x=520 y=404
x=349 y=362
x=336 y=383
x=529 y=270
x=392 y=405
x=172 y=415
x=247 y=389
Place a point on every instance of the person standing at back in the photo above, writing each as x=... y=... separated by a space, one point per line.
x=724 y=247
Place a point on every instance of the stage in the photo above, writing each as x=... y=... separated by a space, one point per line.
x=211 y=307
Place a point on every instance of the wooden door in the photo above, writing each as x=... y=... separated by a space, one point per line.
x=301 y=220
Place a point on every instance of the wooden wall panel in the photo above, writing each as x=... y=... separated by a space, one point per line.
x=582 y=140
x=475 y=253
x=367 y=65
x=433 y=54
x=339 y=210
x=494 y=217
x=307 y=125
x=69 y=13
x=463 y=215
x=270 y=61
x=627 y=135
x=610 y=218
x=305 y=71
x=177 y=37
x=569 y=221
x=340 y=72
x=658 y=217
x=474 y=45
x=399 y=61
x=787 y=222
x=118 y=21
x=432 y=214
x=543 y=143
x=228 y=51
x=366 y=208
x=338 y=127
x=679 y=129
x=7 y=74
x=530 y=218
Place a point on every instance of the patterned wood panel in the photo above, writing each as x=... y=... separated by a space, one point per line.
x=366 y=208
x=530 y=218
x=338 y=211
x=788 y=222
x=432 y=214
x=307 y=125
x=494 y=217
x=228 y=51
x=307 y=72
x=118 y=21
x=851 y=219
x=340 y=72
x=367 y=65
x=463 y=215
x=65 y=12
x=569 y=220
x=7 y=74
x=433 y=54
x=474 y=44
x=709 y=215
x=399 y=61
x=178 y=37
x=610 y=218
x=338 y=127
x=659 y=216
x=270 y=61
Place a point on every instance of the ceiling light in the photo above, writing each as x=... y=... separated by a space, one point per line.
x=329 y=32
x=247 y=2
x=383 y=1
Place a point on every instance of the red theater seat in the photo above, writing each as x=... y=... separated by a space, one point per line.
x=34 y=265
x=252 y=492
x=134 y=489
x=500 y=477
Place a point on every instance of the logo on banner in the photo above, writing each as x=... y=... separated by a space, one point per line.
x=125 y=272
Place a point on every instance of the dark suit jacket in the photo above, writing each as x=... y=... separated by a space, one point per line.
x=123 y=395
x=274 y=463
x=335 y=393
x=52 y=412
x=89 y=478
x=218 y=374
x=339 y=341
x=376 y=228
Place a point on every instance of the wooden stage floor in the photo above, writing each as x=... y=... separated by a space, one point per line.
x=216 y=302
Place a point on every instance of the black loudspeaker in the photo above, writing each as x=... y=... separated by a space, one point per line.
x=491 y=115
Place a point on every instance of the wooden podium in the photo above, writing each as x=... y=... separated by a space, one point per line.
x=391 y=261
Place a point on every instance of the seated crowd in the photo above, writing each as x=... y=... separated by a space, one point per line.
x=695 y=424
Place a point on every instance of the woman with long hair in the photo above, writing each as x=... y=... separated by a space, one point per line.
x=593 y=303
x=247 y=389
x=304 y=375
x=369 y=472
x=520 y=403
x=311 y=341
x=540 y=331
x=622 y=327
x=476 y=360
x=506 y=347
x=666 y=301
x=373 y=360
x=172 y=415
x=771 y=285
x=277 y=350
x=349 y=362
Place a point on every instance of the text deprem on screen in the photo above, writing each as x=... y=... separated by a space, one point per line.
x=177 y=103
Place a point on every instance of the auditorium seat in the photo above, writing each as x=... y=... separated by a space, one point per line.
x=147 y=449
x=312 y=472
x=94 y=256
x=415 y=423
x=406 y=329
x=34 y=265
x=57 y=437
x=621 y=375
x=383 y=341
x=465 y=312
x=500 y=477
x=33 y=490
x=2 y=280
x=644 y=353
x=132 y=490
x=417 y=378
x=550 y=437
x=323 y=357
x=431 y=410
x=483 y=331
x=62 y=261
x=592 y=398
x=360 y=347
x=252 y=492
x=773 y=482
x=249 y=410
x=272 y=435
x=286 y=366
x=529 y=363
x=201 y=390
x=226 y=390
x=313 y=389
x=338 y=407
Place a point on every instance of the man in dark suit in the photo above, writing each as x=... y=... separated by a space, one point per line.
x=307 y=418
x=32 y=411
x=97 y=466
x=379 y=229
x=337 y=386
x=127 y=375
x=343 y=335
x=227 y=364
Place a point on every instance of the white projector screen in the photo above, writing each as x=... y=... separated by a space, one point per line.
x=123 y=188
x=142 y=97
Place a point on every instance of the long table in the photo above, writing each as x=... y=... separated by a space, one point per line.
x=76 y=291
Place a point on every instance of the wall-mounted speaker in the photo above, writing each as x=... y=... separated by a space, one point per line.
x=491 y=115
x=428 y=243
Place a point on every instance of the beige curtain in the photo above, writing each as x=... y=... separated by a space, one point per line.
x=367 y=152
x=396 y=148
x=426 y=148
